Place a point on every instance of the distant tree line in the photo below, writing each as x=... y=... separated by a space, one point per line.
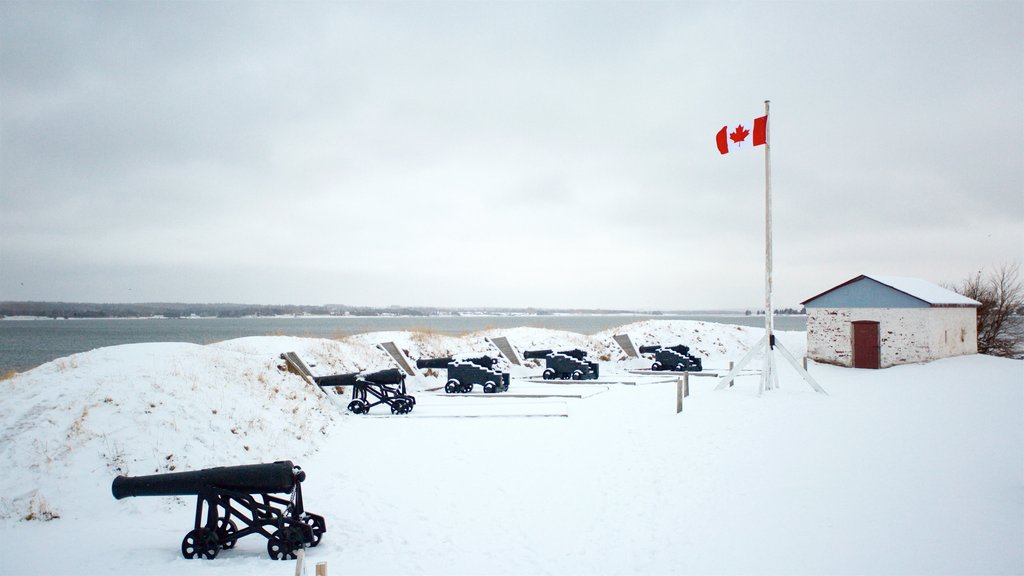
x=226 y=310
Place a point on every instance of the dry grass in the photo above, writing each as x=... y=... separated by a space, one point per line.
x=8 y=375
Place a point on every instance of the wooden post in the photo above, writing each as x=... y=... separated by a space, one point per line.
x=321 y=569
x=679 y=395
x=300 y=561
x=730 y=365
x=686 y=384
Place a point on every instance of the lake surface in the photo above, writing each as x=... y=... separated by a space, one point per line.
x=25 y=344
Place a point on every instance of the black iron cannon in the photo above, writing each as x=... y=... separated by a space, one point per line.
x=236 y=493
x=675 y=358
x=464 y=374
x=387 y=386
x=566 y=364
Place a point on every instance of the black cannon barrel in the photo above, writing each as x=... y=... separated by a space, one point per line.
x=536 y=353
x=681 y=348
x=337 y=379
x=389 y=376
x=433 y=362
x=650 y=349
x=485 y=361
x=251 y=479
x=575 y=353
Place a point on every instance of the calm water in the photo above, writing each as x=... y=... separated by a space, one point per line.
x=25 y=344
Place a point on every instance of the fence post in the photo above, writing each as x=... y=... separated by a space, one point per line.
x=300 y=561
x=686 y=384
x=679 y=395
x=321 y=569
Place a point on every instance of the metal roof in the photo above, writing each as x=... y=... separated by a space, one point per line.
x=923 y=290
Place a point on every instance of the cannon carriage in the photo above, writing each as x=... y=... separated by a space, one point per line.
x=673 y=358
x=233 y=502
x=565 y=365
x=463 y=375
x=372 y=389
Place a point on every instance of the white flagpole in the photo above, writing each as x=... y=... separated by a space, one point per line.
x=769 y=379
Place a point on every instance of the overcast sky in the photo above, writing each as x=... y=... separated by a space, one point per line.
x=551 y=154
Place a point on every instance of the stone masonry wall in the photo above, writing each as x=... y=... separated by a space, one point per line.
x=907 y=335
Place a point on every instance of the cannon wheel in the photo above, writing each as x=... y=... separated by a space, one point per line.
x=358 y=406
x=549 y=374
x=680 y=368
x=226 y=529
x=316 y=525
x=451 y=387
x=656 y=366
x=200 y=542
x=282 y=544
x=401 y=406
x=490 y=387
x=577 y=375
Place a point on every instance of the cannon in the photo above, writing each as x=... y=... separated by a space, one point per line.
x=387 y=386
x=464 y=374
x=565 y=364
x=236 y=493
x=675 y=358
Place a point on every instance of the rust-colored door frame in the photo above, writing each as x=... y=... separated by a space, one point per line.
x=867 y=349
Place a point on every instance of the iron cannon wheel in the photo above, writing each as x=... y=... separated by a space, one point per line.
x=401 y=406
x=656 y=366
x=490 y=387
x=316 y=525
x=283 y=543
x=451 y=387
x=680 y=368
x=577 y=375
x=358 y=406
x=549 y=374
x=200 y=542
x=226 y=529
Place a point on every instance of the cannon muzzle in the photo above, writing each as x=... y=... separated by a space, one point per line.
x=279 y=477
x=534 y=354
x=433 y=362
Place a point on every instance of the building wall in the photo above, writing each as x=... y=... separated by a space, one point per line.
x=906 y=335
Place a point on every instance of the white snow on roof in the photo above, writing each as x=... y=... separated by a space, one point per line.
x=925 y=290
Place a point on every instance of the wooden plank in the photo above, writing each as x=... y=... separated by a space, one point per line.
x=626 y=344
x=671 y=373
x=397 y=355
x=506 y=349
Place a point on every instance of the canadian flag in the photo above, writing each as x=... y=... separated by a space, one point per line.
x=743 y=135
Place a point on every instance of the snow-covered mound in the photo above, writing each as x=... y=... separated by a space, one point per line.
x=158 y=407
x=75 y=423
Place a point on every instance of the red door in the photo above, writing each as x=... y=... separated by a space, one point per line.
x=865 y=344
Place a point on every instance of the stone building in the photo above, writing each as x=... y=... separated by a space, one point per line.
x=881 y=321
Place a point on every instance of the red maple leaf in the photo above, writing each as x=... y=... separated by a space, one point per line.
x=739 y=134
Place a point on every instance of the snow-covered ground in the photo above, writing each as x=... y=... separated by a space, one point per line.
x=910 y=470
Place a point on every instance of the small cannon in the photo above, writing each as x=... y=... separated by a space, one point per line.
x=565 y=364
x=464 y=374
x=675 y=358
x=241 y=493
x=387 y=386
